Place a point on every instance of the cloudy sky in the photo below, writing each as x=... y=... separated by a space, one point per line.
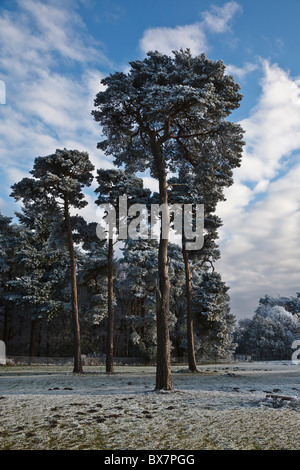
x=53 y=54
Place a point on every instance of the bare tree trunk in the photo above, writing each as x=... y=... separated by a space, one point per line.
x=190 y=321
x=75 y=316
x=110 y=320
x=163 y=367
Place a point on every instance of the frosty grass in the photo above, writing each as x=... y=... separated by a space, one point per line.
x=224 y=406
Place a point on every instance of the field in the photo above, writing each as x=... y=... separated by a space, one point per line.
x=235 y=406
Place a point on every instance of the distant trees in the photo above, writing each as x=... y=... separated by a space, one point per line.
x=9 y=242
x=43 y=259
x=272 y=330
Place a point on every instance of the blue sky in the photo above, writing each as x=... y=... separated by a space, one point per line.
x=53 y=55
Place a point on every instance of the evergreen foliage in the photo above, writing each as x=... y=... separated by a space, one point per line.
x=57 y=184
x=165 y=113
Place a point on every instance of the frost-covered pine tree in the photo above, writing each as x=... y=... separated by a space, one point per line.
x=58 y=180
x=154 y=118
x=214 y=322
x=178 y=323
x=9 y=243
x=136 y=293
x=44 y=261
x=136 y=290
x=204 y=186
x=113 y=184
x=191 y=188
x=92 y=270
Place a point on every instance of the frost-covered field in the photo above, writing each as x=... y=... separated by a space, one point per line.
x=224 y=406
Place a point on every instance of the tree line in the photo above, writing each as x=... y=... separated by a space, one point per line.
x=271 y=332
x=168 y=116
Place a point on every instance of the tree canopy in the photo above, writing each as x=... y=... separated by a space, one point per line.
x=180 y=102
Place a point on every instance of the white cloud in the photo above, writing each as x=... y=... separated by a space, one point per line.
x=192 y=36
x=165 y=40
x=89 y=212
x=241 y=72
x=46 y=109
x=39 y=35
x=261 y=223
x=273 y=127
x=259 y=258
x=61 y=30
x=218 y=19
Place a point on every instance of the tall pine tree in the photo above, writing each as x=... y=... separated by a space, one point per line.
x=155 y=118
x=112 y=185
x=58 y=180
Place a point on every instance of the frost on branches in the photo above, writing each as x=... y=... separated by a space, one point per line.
x=272 y=330
x=165 y=113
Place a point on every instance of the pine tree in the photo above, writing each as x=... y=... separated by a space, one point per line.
x=58 y=180
x=113 y=184
x=156 y=117
x=92 y=272
x=42 y=253
x=214 y=322
x=191 y=188
x=10 y=239
x=136 y=289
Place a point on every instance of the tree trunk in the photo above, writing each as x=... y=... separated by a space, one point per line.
x=110 y=320
x=75 y=316
x=190 y=322
x=163 y=367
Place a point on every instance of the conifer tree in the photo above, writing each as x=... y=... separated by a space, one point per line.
x=42 y=253
x=136 y=287
x=192 y=188
x=93 y=269
x=214 y=321
x=155 y=118
x=58 y=180
x=10 y=239
x=113 y=184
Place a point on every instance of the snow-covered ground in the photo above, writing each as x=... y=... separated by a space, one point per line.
x=238 y=405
